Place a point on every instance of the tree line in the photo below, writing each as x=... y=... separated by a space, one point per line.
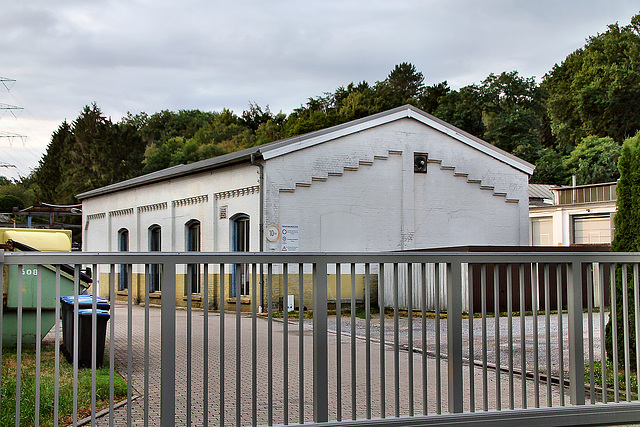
x=571 y=123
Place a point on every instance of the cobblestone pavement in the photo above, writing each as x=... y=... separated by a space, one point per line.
x=503 y=337
x=281 y=400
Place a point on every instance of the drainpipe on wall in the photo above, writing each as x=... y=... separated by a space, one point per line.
x=261 y=181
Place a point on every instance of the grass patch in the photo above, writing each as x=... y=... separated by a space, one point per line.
x=597 y=370
x=47 y=388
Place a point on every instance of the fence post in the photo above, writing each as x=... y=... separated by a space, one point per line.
x=454 y=335
x=320 y=356
x=168 y=346
x=576 y=349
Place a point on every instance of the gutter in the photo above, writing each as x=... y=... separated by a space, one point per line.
x=261 y=181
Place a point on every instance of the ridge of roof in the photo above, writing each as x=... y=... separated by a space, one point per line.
x=283 y=146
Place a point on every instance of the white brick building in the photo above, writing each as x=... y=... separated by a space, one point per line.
x=359 y=186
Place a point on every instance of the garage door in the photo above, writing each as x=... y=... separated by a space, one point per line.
x=542 y=231
x=593 y=229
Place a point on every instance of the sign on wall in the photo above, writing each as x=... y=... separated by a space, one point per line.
x=290 y=235
x=273 y=233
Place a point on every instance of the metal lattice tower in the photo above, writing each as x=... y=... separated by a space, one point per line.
x=8 y=84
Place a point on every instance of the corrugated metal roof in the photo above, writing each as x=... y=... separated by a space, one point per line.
x=274 y=149
x=540 y=191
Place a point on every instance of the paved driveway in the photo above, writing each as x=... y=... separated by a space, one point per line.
x=342 y=403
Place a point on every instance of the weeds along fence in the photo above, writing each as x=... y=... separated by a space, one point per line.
x=209 y=338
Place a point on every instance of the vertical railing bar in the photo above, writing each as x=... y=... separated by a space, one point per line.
x=523 y=336
x=93 y=354
x=129 y=340
x=614 y=334
x=112 y=292
x=167 y=345
x=285 y=342
x=56 y=387
x=205 y=347
x=547 y=318
x=510 y=333
x=636 y=313
x=396 y=340
x=270 y=343
x=454 y=337
x=603 y=354
x=367 y=308
x=560 y=333
x=39 y=348
x=423 y=302
x=239 y=286
x=410 y=335
x=383 y=371
x=496 y=310
x=222 y=345
x=576 y=333
x=338 y=342
x=592 y=379
x=625 y=323
x=254 y=345
x=94 y=331
x=485 y=379
x=19 y=356
x=19 y=349
x=472 y=385
x=2 y=326
x=353 y=342
x=147 y=331
x=438 y=352
x=320 y=362
x=536 y=349
x=75 y=339
x=190 y=285
x=301 y=342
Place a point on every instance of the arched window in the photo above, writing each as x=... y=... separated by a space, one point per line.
x=123 y=246
x=155 y=270
x=193 y=245
x=240 y=243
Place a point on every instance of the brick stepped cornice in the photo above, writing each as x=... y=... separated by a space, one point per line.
x=354 y=168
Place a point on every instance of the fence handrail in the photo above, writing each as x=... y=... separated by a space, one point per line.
x=14 y=258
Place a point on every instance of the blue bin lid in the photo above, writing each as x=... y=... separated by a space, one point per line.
x=89 y=312
x=86 y=301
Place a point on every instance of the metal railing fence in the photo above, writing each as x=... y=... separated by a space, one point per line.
x=355 y=356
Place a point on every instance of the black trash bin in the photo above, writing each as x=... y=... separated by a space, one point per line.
x=84 y=303
x=84 y=336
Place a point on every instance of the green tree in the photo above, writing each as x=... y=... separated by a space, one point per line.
x=9 y=201
x=596 y=90
x=406 y=83
x=627 y=239
x=550 y=169
x=48 y=174
x=90 y=152
x=594 y=160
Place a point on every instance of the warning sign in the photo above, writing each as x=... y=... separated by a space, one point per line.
x=290 y=236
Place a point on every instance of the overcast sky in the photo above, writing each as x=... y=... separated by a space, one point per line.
x=143 y=55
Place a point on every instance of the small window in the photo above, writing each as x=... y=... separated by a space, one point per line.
x=123 y=246
x=420 y=162
x=193 y=245
x=155 y=270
